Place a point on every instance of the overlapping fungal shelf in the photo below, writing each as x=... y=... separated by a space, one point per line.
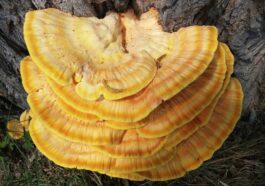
x=122 y=97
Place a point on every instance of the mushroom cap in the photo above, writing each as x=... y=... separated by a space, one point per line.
x=164 y=120
x=73 y=124
x=15 y=129
x=89 y=129
x=128 y=176
x=122 y=97
x=133 y=145
x=71 y=128
x=24 y=119
x=32 y=78
x=182 y=133
x=77 y=155
x=187 y=52
x=47 y=109
x=206 y=140
x=87 y=53
x=145 y=33
x=190 y=153
x=187 y=104
x=187 y=64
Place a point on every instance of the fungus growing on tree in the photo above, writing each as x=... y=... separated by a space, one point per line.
x=122 y=97
x=25 y=119
x=15 y=129
x=45 y=27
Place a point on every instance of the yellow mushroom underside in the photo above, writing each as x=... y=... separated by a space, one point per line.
x=190 y=51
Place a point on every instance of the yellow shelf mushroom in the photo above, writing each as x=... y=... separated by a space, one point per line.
x=15 y=129
x=74 y=65
x=187 y=104
x=159 y=166
x=200 y=146
x=78 y=155
x=25 y=119
x=73 y=124
x=122 y=97
x=88 y=54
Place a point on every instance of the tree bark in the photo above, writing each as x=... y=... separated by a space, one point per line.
x=241 y=25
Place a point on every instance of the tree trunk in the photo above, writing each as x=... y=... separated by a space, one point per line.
x=241 y=25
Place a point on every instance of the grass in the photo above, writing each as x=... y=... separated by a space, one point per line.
x=240 y=161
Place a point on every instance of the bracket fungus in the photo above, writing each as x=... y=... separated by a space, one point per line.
x=59 y=64
x=25 y=119
x=15 y=129
x=122 y=97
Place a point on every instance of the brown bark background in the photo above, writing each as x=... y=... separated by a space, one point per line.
x=241 y=25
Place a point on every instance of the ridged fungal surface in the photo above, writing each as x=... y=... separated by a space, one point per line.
x=122 y=97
